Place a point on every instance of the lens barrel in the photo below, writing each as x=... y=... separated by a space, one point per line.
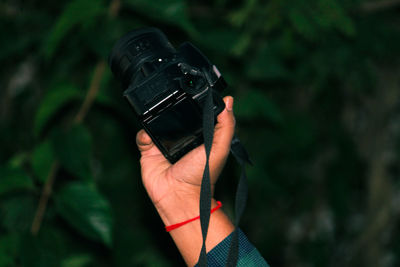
x=134 y=49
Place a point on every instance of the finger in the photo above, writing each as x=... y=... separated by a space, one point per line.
x=145 y=144
x=224 y=129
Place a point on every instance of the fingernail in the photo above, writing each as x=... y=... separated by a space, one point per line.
x=229 y=104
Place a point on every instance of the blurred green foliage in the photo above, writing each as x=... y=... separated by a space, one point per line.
x=316 y=85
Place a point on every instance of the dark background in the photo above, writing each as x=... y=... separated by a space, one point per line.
x=317 y=102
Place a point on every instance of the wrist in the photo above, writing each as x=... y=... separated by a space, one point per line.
x=188 y=237
x=176 y=208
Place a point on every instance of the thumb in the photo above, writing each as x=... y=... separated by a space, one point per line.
x=146 y=145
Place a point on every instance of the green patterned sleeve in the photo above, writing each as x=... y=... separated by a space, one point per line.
x=248 y=254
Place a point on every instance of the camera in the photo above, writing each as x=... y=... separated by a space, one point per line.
x=166 y=87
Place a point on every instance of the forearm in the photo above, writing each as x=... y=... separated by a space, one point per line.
x=188 y=238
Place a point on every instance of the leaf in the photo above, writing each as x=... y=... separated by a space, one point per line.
x=44 y=250
x=8 y=249
x=302 y=23
x=77 y=261
x=299 y=132
x=222 y=40
x=54 y=100
x=267 y=65
x=241 y=45
x=77 y=12
x=5 y=259
x=151 y=258
x=73 y=149
x=18 y=160
x=239 y=17
x=12 y=41
x=12 y=179
x=17 y=213
x=255 y=104
x=171 y=11
x=332 y=12
x=81 y=205
x=42 y=160
x=104 y=94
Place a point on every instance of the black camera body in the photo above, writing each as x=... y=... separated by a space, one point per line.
x=167 y=88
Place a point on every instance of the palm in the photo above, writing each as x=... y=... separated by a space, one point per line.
x=161 y=178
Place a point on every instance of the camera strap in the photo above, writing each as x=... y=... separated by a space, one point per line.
x=241 y=156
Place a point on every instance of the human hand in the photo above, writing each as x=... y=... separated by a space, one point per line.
x=175 y=188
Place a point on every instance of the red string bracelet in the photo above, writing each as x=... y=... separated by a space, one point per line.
x=177 y=225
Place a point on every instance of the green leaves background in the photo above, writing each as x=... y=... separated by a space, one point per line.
x=316 y=87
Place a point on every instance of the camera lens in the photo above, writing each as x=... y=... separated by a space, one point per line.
x=135 y=49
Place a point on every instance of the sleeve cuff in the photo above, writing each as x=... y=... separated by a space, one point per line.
x=248 y=254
